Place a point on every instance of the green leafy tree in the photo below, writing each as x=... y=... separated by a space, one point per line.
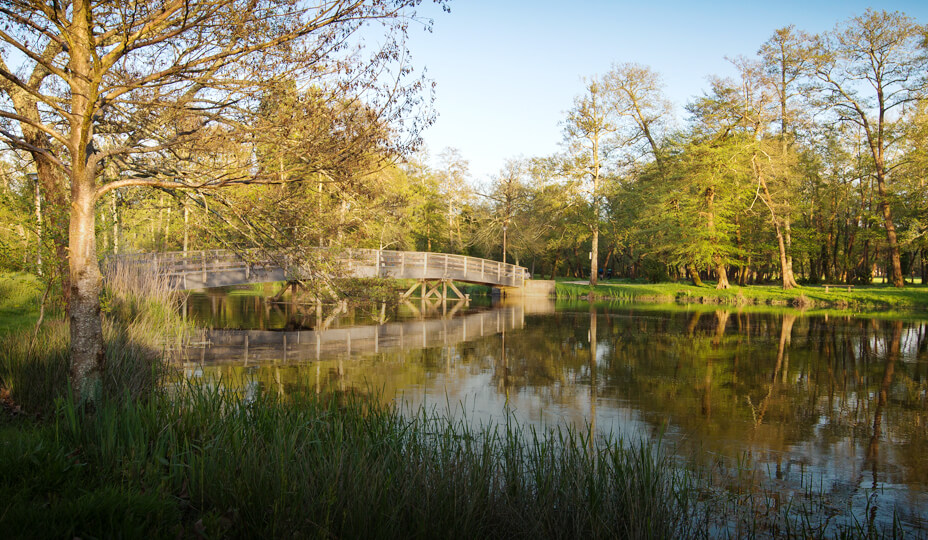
x=868 y=70
x=99 y=82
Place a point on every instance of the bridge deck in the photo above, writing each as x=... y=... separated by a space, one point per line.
x=218 y=268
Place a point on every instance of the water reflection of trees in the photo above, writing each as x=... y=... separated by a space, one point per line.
x=774 y=385
x=788 y=389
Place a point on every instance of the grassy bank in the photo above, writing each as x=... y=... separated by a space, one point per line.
x=868 y=297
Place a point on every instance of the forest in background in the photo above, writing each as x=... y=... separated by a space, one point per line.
x=810 y=166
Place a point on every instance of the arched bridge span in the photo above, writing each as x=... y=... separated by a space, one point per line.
x=219 y=268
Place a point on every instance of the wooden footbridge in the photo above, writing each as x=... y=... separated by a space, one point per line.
x=434 y=272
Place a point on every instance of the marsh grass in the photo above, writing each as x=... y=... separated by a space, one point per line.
x=203 y=461
x=34 y=373
x=141 y=328
x=134 y=294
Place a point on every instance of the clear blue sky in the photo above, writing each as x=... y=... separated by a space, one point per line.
x=508 y=70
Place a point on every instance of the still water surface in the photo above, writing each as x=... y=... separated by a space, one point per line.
x=835 y=404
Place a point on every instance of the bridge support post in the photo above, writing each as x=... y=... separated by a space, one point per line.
x=438 y=289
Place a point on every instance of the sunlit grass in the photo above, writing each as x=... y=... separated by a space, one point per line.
x=861 y=297
x=20 y=295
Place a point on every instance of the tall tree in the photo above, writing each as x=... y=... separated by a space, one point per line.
x=635 y=94
x=694 y=211
x=868 y=69
x=786 y=61
x=454 y=173
x=508 y=195
x=589 y=133
x=119 y=81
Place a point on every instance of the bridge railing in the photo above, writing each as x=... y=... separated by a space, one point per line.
x=427 y=265
x=354 y=262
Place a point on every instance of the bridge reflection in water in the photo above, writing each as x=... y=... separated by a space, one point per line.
x=251 y=347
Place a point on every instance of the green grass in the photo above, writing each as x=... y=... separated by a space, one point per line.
x=20 y=295
x=202 y=461
x=878 y=297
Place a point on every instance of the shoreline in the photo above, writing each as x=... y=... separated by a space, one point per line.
x=872 y=297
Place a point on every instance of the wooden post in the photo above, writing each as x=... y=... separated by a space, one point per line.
x=482 y=261
x=499 y=271
x=425 y=264
x=465 y=267
x=446 y=265
x=402 y=264
x=378 y=263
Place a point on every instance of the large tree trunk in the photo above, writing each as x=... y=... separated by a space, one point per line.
x=924 y=267
x=86 y=281
x=608 y=260
x=594 y=256
x=49 y=174
x=722 y=273
x=786 y=265
x=594 y=252
x=877 y=148
x=786 y=272
x=788 y=237
x=895 y=258
x=557 y=259
x=55 y=210
x=694 y=275
x=86 y=284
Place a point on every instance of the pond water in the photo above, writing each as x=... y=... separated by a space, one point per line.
x=786 y=401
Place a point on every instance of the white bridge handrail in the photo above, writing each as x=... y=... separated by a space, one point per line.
x=179 y=265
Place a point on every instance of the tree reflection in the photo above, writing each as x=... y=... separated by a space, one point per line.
x=788 y=389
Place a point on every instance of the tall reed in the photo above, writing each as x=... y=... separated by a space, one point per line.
x=141 y=328
x=202 y=461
